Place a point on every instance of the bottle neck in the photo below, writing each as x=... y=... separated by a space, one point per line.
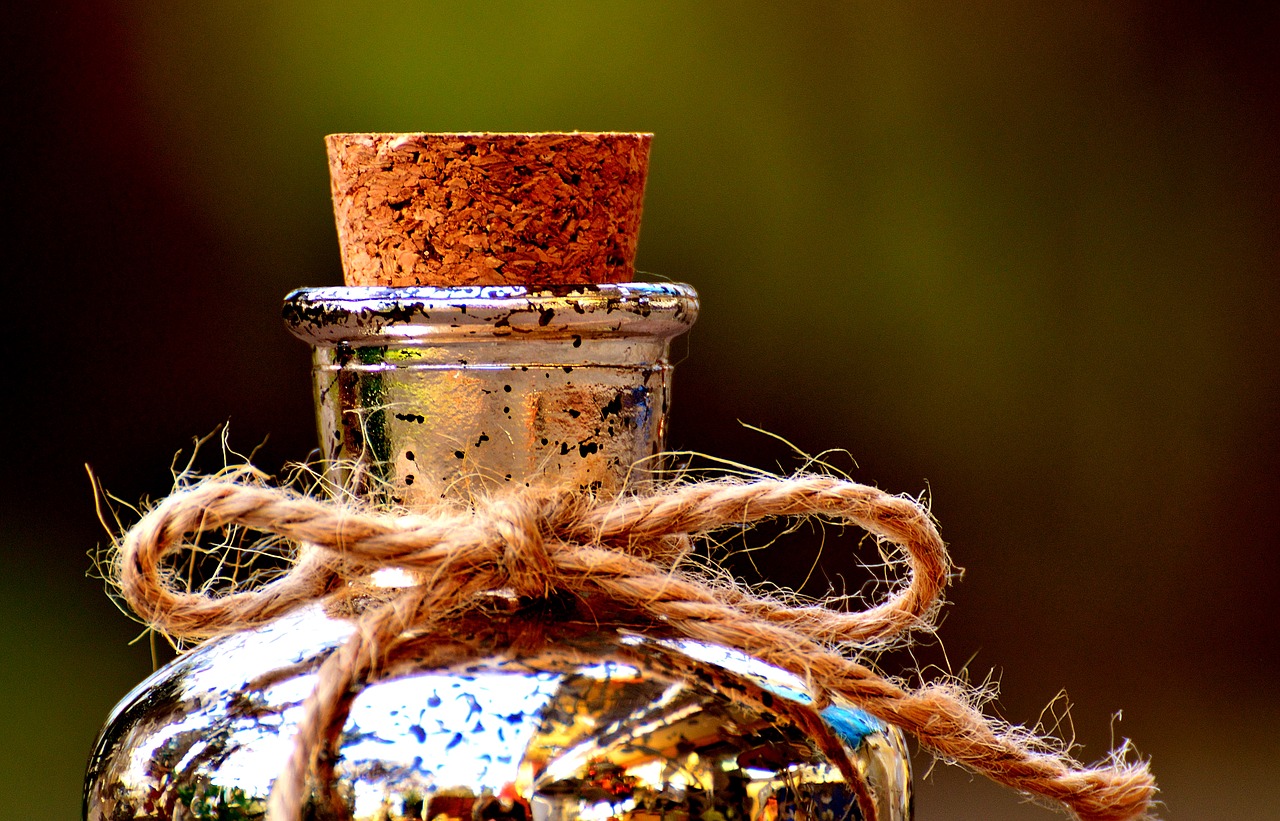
x=425 y=394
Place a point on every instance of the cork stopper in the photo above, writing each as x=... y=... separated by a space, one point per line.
x=488 y=209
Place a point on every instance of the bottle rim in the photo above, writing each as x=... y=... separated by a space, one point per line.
x=363 y=316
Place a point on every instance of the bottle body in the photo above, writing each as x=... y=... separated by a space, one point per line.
x=580 y=719
x=534 y=711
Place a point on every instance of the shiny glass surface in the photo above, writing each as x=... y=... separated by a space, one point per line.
x=424 y=394
x=530 y=721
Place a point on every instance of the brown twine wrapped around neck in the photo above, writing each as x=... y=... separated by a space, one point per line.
x=625 y=550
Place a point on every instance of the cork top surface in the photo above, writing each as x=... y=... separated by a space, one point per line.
x=488 y=209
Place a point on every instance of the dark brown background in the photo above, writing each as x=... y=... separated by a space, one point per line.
x=1022 y=257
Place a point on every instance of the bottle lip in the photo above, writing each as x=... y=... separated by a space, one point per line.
x=423 y=315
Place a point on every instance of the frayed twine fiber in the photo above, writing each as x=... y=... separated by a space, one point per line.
x=627 y=550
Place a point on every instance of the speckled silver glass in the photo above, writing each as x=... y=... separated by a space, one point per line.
x=542 y=711
x=431 y=393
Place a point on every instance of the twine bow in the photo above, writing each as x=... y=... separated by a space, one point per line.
x=625 y=550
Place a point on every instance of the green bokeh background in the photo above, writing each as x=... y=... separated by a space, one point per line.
x=1021 y=256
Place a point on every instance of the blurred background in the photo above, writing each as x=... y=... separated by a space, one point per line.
x=1019 y=256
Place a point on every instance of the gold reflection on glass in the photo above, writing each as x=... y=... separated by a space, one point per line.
x=591 y=725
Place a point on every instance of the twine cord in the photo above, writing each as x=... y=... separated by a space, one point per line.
x=626 y=550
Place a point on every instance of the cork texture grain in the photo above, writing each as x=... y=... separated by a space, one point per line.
x=488 y=209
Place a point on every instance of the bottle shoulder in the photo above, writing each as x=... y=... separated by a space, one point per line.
x=571 y=713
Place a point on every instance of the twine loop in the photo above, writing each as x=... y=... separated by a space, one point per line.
x=626 y=550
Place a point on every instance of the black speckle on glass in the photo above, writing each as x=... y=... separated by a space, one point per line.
x=614 y=408
x=458 y=454
x=568 y=369
x=577 y=340
x=506 y=409
x=408 y=479
x=507 y=388
x=587 y=447
x=408 y=454
x=418 y=732
x=545 y=316
x=544 y=440
x=564 y=448
x=484 y=437
x=574 y=412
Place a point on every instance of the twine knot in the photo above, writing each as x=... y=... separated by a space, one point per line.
x=521 y=525
x=626 y=550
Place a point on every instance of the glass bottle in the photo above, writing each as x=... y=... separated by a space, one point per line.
x=427 y=396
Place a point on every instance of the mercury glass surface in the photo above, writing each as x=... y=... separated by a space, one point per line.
x=528 y=711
